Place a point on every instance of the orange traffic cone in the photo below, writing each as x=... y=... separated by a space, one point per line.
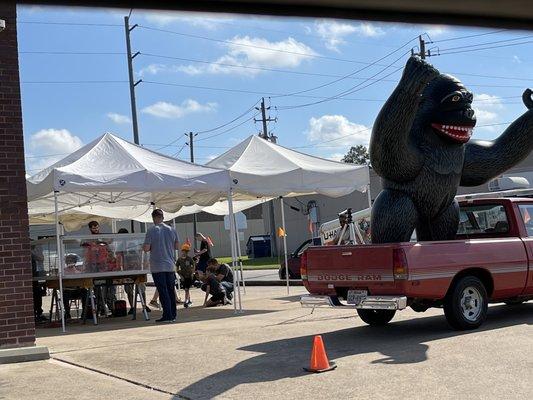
x=319 y=359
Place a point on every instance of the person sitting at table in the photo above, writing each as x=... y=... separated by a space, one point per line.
x=71 y=260
x=39 y=288
x=96 y=260
x=121 y=255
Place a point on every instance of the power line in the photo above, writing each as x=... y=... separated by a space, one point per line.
x=230 y=129
x=78 y=53
x=257 y=68
x=250 y=45
x=173 y=143
x=260 y=68
x=48 y=155
x=69 y=82
x=351 y=90
x=467 y=36
x=484 y=48
x=353 y=73
x=254 y=92
x=176 y=154
x=488 y=43
x=68 y=23
x=230 y=122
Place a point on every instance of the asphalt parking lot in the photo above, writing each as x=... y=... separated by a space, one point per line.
x=213 y=353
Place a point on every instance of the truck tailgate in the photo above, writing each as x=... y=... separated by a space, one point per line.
x=334 y=269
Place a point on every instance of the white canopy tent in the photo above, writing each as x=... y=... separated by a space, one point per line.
x=111 y=173
x=74 y=218
x=260 y=168
x=266 y=169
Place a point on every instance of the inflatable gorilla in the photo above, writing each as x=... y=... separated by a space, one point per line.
x=420 y=148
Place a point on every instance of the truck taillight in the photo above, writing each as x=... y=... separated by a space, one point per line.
x=400 y=269
x=303 y=265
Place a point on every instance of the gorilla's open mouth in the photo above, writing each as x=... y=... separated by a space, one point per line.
x=458 y=133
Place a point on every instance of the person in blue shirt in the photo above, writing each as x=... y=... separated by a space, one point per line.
x=162 y=241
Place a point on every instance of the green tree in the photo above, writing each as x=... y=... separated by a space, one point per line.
x=357 y=155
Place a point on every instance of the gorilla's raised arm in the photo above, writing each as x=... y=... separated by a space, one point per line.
x=486 y=159
x=393 y=154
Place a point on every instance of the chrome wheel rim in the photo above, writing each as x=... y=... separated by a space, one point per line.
x=471 y=303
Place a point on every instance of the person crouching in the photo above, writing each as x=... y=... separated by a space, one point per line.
x=214 y=288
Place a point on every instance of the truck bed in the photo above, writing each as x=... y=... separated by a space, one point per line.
x=430 y=267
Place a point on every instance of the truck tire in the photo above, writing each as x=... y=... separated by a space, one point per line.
x=466 y=304
x=376 y=317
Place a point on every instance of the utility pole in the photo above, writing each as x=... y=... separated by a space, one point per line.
x=422 y=53
x=265 y=135
x=130 y=57
x=131 y=79
x=191 y=149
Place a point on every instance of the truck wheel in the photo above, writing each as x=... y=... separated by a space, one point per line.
x=466 y=304
x=376 y=317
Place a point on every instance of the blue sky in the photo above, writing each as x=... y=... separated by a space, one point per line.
x=71 y=99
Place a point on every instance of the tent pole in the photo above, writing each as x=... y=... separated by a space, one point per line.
x=236 y=284
x=239 y=254
x=284 y=243
x=176 y=256
x=369 y=196
x=59 y=263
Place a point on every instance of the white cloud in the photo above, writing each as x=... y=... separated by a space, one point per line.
x=152 y=69
x=253 y=52
x=336 y=156
x=118 y=118
x=333 y=32
x=487 y=108
x=203 y=20
x=163 y=109
x=337 y=129
x=48 y=146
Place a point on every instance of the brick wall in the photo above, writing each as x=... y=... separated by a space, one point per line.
x=17 y=326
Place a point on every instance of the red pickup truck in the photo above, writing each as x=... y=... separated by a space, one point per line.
x=490 y=261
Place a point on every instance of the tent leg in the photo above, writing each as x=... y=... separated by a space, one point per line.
x=176 y=255
x=369 y=195
x=59 y=263
x=284 y=243
x=239 y=255
x=236 y=284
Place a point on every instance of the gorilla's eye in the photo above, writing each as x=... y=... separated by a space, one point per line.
x=456 y=98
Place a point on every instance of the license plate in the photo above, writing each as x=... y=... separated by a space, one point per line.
x=356 y=296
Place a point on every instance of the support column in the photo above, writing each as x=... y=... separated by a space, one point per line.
x=16 y=295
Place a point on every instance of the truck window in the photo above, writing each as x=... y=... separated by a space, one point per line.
x=485 y=219
x=526 y=210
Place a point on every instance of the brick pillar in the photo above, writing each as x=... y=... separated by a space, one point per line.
x=17 y=326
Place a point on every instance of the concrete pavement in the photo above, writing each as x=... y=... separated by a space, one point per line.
x=212 y=353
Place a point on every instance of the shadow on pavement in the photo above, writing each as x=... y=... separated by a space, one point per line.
x=194 y=314
x=290 y=299
x=401 y=342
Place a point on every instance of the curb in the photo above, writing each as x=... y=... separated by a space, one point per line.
x=23 y=354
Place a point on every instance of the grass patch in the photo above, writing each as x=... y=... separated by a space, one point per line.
x=254 y=263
